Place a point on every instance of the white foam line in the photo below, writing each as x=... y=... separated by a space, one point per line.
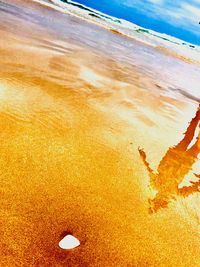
x=51 y=6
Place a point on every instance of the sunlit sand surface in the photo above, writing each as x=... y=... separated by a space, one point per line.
x=76 y=103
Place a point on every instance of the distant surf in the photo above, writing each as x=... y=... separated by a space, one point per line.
x=178 y=48
x=187 y=87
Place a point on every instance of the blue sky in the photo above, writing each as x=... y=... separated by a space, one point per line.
x=179 y=18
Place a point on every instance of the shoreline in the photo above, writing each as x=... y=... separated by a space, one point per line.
x=166 y=44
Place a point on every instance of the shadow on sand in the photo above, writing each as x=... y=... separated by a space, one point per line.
x=173 y=168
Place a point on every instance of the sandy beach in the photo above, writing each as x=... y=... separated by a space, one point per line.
x=76 y=102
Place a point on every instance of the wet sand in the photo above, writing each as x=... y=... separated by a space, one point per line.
x=72 y=115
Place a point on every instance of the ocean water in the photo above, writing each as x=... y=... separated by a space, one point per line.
x=140 y=17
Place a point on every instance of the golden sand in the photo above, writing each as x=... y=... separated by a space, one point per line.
x=69 y=162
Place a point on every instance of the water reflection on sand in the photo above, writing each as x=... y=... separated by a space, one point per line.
x=76 y=101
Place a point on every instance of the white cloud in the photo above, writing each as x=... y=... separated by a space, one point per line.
x=193 y=10
x=185 y=13
x=159 y=2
